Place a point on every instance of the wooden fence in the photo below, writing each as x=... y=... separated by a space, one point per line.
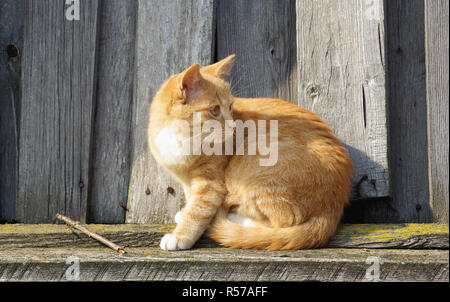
x=74 y=97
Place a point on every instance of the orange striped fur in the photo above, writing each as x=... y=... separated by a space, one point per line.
x=295 y=204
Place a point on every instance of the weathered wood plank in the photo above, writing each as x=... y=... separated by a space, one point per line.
x=144 y=264
x=407 y=106
x=112 y=132
x=58 y=93
x=11 y=35
x=437 y=49
x=170 y=36
x=387 y=236
x=262 y=35
x=407 y=135
x=397 y=236
x=341 y=77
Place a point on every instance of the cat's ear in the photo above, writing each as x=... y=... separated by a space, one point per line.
x=191 y=77
x=190 y=82
x=222 y=68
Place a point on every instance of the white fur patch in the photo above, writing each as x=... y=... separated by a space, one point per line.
x=170 y=243
x=172 y=146
x=242 y=220
x=178 y=217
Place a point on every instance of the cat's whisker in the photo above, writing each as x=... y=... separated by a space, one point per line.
x=192 y=137
x=235 y=84
x=201 y=133
x=238 y=84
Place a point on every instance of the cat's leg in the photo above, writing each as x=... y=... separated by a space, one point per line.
x=282 y=211
x=206 y=195
x=187 y=194
x=241 y=212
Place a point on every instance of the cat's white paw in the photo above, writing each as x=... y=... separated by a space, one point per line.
x=178 y=217
x=171 y=243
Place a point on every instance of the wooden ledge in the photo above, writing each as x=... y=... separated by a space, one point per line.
x=402 y=252
x=392 y=236
x=221 y=264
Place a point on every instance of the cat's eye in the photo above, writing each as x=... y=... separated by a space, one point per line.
x=215 y=111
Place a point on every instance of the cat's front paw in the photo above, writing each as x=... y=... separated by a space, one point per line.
x=171 y=243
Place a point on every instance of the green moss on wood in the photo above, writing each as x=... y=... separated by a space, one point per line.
x=407 y=236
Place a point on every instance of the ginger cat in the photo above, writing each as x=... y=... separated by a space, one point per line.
x=295 y=203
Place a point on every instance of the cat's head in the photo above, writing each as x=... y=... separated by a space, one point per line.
x=197 y=90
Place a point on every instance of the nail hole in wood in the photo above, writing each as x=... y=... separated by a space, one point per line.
x=170 y=190
x=12 y=51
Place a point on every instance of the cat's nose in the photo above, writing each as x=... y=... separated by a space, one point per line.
x=231 y=125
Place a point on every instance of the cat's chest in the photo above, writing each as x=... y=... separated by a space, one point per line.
x=173 y=148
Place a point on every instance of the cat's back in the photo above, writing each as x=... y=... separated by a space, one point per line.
x=304 y=139
x=291 y=118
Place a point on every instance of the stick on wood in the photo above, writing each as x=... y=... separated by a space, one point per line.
x=78 y=226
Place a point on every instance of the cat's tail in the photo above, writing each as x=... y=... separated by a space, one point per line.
x=313 y=233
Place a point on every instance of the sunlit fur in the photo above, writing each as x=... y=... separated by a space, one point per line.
x=295 y=204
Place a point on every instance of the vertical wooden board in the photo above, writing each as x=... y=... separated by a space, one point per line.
x=407 y=129
x=437 y=54
x=341 y=77
x=11 y=36
x=58 y=93
x=112 y=130
x=170 y=36
x=405 y=60
x=262 y=35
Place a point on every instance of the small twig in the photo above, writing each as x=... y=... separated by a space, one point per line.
x=78 y=226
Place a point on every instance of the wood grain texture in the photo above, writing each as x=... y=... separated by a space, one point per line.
x=262 y=35
x=11 y=33
x=341 y=77
x=407 y=135
x=58 y=93
x=407 y=106
x=382 y=236
x=170 y=36
x=112 y=132
x=146 y=264
x=437 y=53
